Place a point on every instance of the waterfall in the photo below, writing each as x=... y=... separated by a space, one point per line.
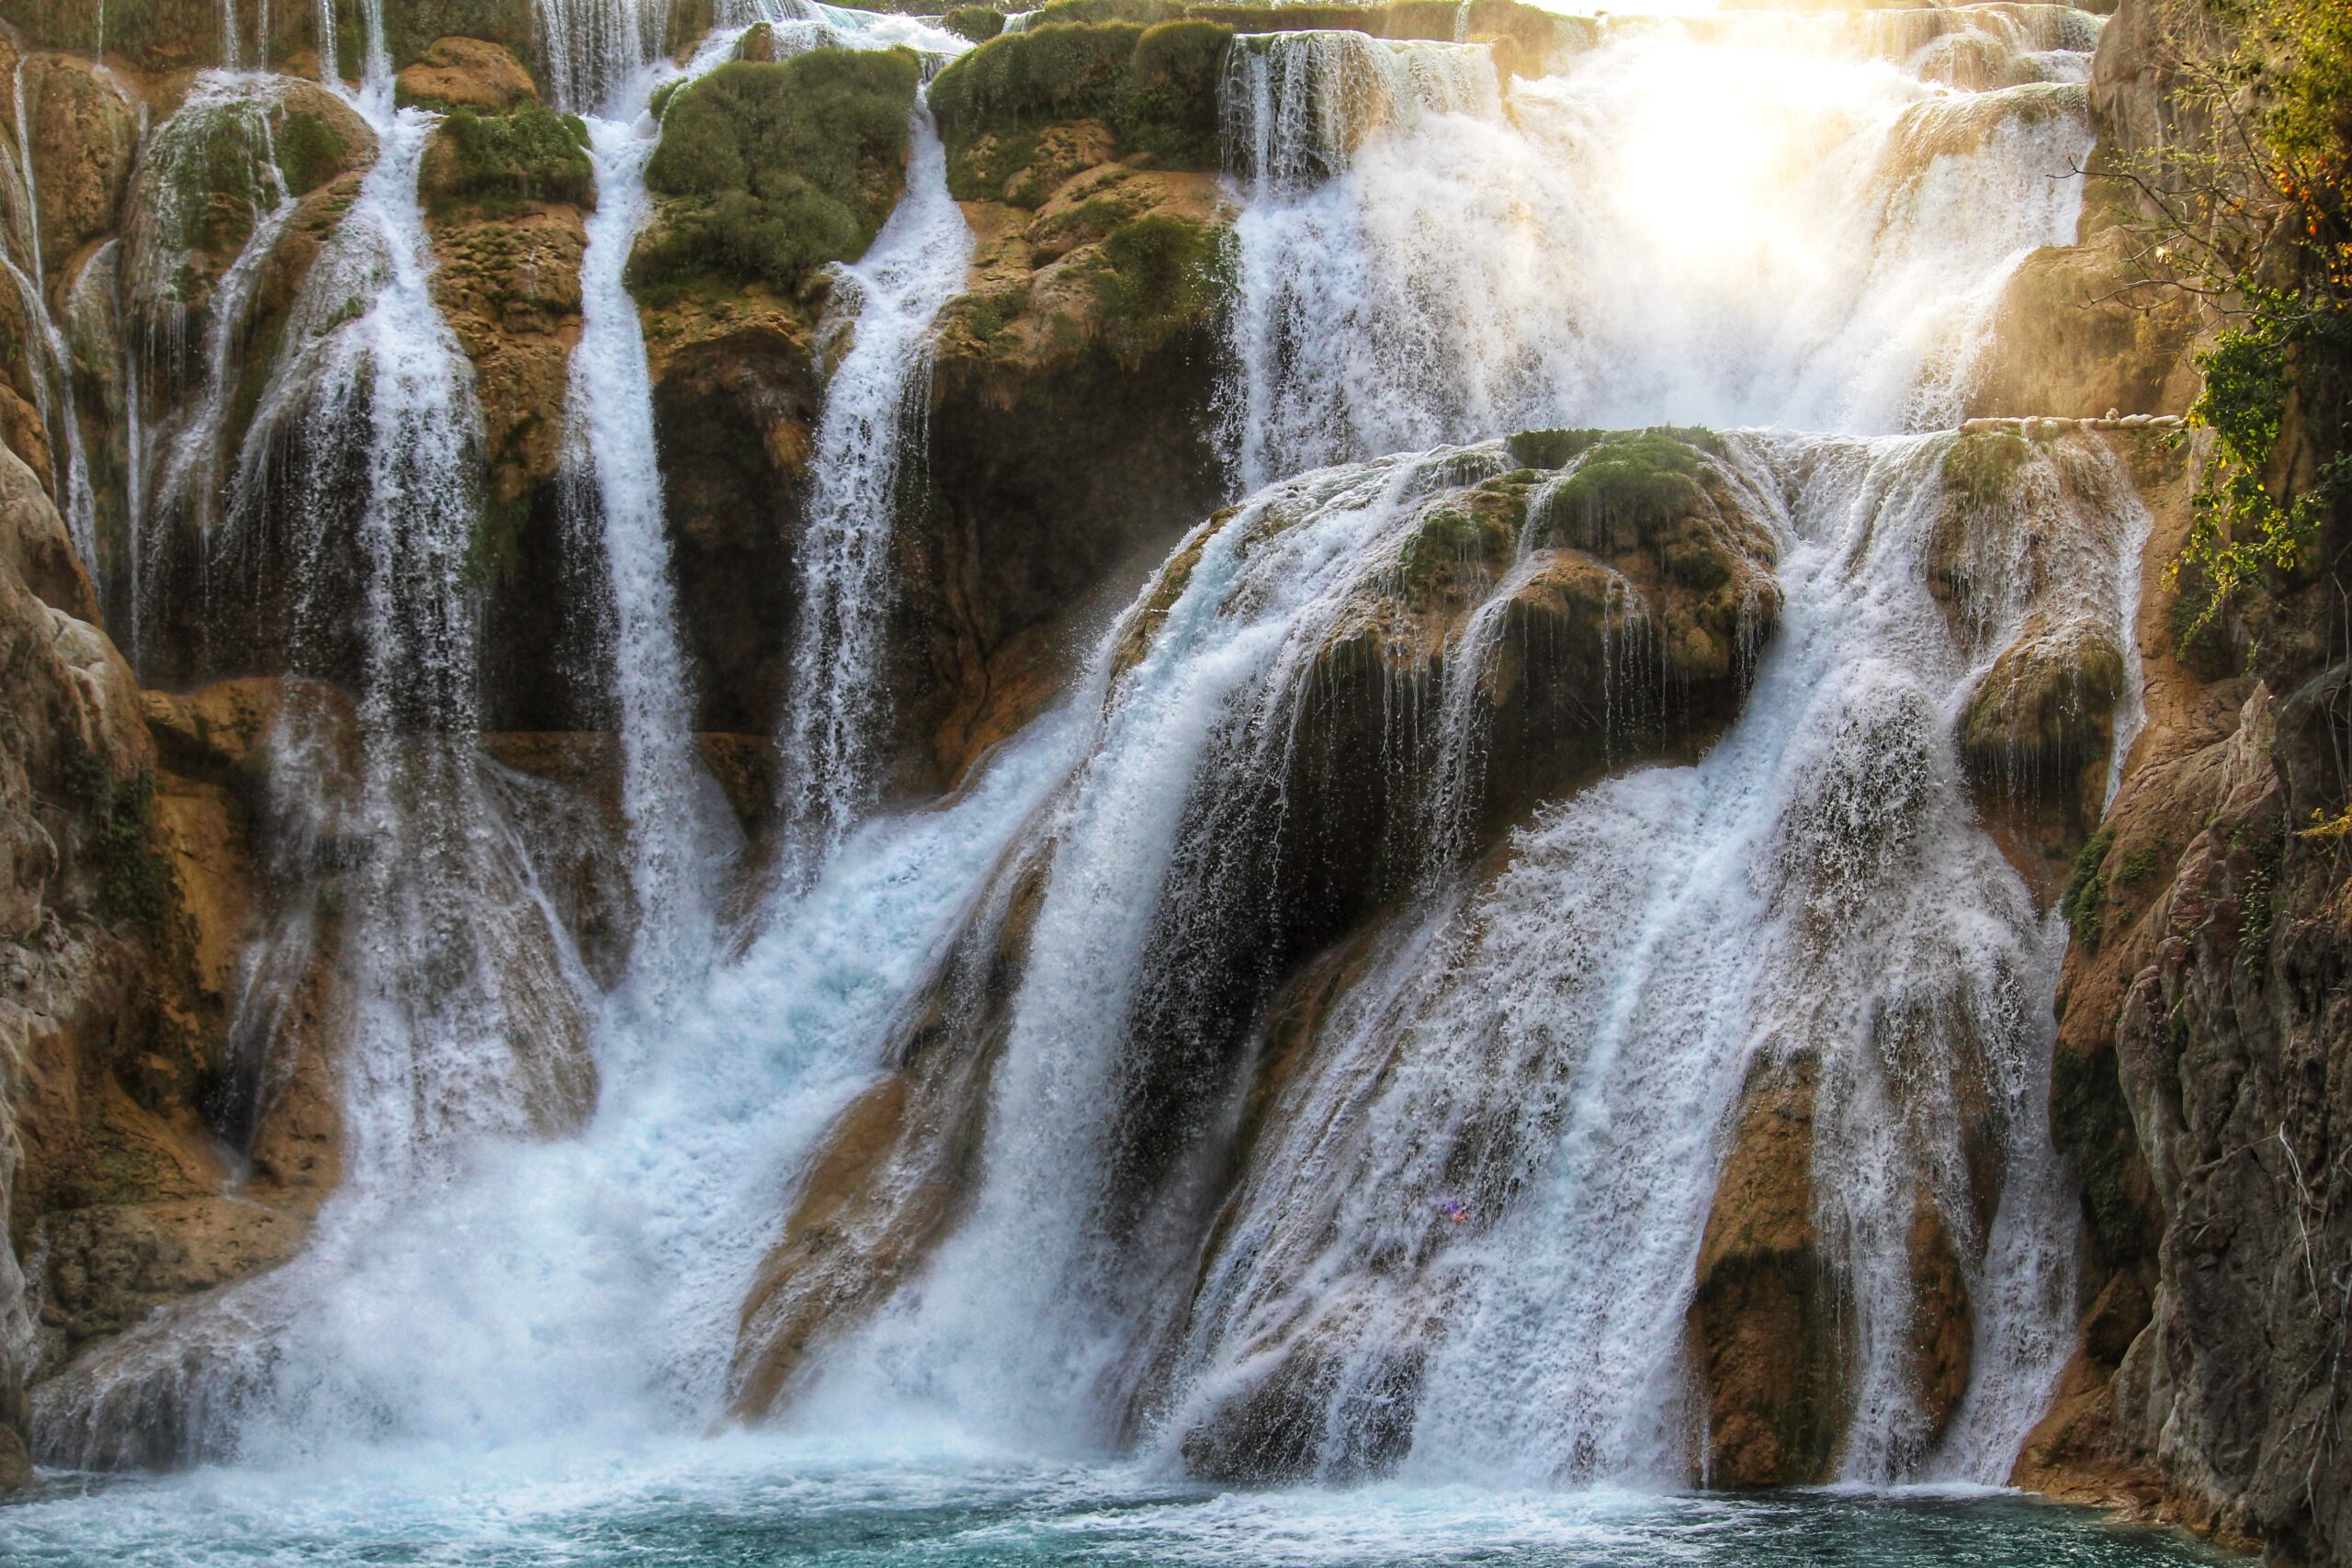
x=1356 y=1077
x=1788 y=232
x=458 y=996
x=616 y=499
x=868 y=444
x=78 y=500
x=1464 y=1241
x=177 y=462
x=593 y=47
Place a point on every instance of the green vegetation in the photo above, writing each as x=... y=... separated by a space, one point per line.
x=310 y=151
x=979 y=23
x=1156 y=87
x=1477 y=528
x=2255 y=893
x=1165 y=273
x=130 y=875
x=1551 y=448
x=1981 y=469
x=1640 y=480
x=410 y=26
x=2249 y=520
x=776 y=169
x=2137 y=866
x=494 y=164
x=2083 y=903
x=2261 y=221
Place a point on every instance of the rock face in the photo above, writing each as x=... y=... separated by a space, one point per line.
x=125 y=884
x=1764 y=1320
x=84 y=133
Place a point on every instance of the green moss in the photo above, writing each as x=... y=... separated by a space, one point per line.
x=1638 y=479
x=496 y=163
x=2083 y=903
x=1550 y=448
x=1085 y=13
x=776 y=169
x=132 y=876
x=308 y=150
x=1034 y=78
x=495 y=550
x=2089 y=1119
x=979 y=23
x=1479 y=528
x=1155 y=87
x=410 y=26
x=1981 y=469
x=1165 y=273
x=1168 y=108
x=2137 y=866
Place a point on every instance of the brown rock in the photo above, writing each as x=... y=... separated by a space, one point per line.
x=1764 y=1323
x=108 y=1268
x=467 y=73
x=84 y=137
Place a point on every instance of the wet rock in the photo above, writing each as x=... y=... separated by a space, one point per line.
x=1771 y=1353
x=737 y=396
x=107 y=1269
x=897 y=1170
x=84 y=133
x=2036 y=732
x=2083 y=330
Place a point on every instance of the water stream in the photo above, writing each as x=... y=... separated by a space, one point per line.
x=1433 y=1229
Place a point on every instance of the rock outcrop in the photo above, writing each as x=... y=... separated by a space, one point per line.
x=127 y=879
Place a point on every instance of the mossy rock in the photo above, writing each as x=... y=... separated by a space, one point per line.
x=769 y=171
x=158 y=35
x=977 y=23
x=1164 y=274
x=412 y=26
x=494 y=164
x=1630 y=486
x=1155 y=88
x=1981 y=469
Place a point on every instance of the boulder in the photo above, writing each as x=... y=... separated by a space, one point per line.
x=467 y=73
x=1771 y=1353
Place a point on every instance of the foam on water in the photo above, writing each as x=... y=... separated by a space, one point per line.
x=828 y=1504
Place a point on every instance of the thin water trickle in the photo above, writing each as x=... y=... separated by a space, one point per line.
x=869 y=449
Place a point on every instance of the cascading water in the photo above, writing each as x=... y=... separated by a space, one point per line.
x=868 y=440
x=1789 y=233
x=1467 y=1242
x=1443 y=1218
x=177 y=459
x=76 y=501
x=614 y=502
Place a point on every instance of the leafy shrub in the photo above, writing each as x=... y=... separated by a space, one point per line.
x=2247 y=522
x=779 y=168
